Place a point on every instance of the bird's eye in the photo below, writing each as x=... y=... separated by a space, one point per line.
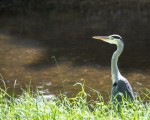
x=115 y=84
x=116 y=37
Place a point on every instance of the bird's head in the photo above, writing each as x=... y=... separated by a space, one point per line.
x=112 y=39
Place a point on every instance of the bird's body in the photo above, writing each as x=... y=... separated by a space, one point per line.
x=120 y=85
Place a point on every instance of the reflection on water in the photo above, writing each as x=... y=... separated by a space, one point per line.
x=29 y=64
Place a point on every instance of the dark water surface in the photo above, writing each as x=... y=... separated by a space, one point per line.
x=53 y=57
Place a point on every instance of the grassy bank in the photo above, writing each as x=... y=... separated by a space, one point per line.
x=34 y=106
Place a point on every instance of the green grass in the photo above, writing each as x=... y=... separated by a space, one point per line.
x=33 y=106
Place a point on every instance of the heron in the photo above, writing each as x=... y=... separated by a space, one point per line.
x=120 y=85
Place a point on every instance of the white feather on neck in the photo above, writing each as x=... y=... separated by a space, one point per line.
x=115 y=73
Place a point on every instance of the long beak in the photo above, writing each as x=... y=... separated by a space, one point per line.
x=103 y=38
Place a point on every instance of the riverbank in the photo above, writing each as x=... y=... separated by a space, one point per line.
x=33 y=106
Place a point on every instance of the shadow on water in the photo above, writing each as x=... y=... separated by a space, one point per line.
x=28 y=44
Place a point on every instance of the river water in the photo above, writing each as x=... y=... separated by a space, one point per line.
x=54 y=62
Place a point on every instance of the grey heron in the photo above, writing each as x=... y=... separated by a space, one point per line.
x=120 y=85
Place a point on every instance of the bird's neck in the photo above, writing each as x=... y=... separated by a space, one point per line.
x=114 y=66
